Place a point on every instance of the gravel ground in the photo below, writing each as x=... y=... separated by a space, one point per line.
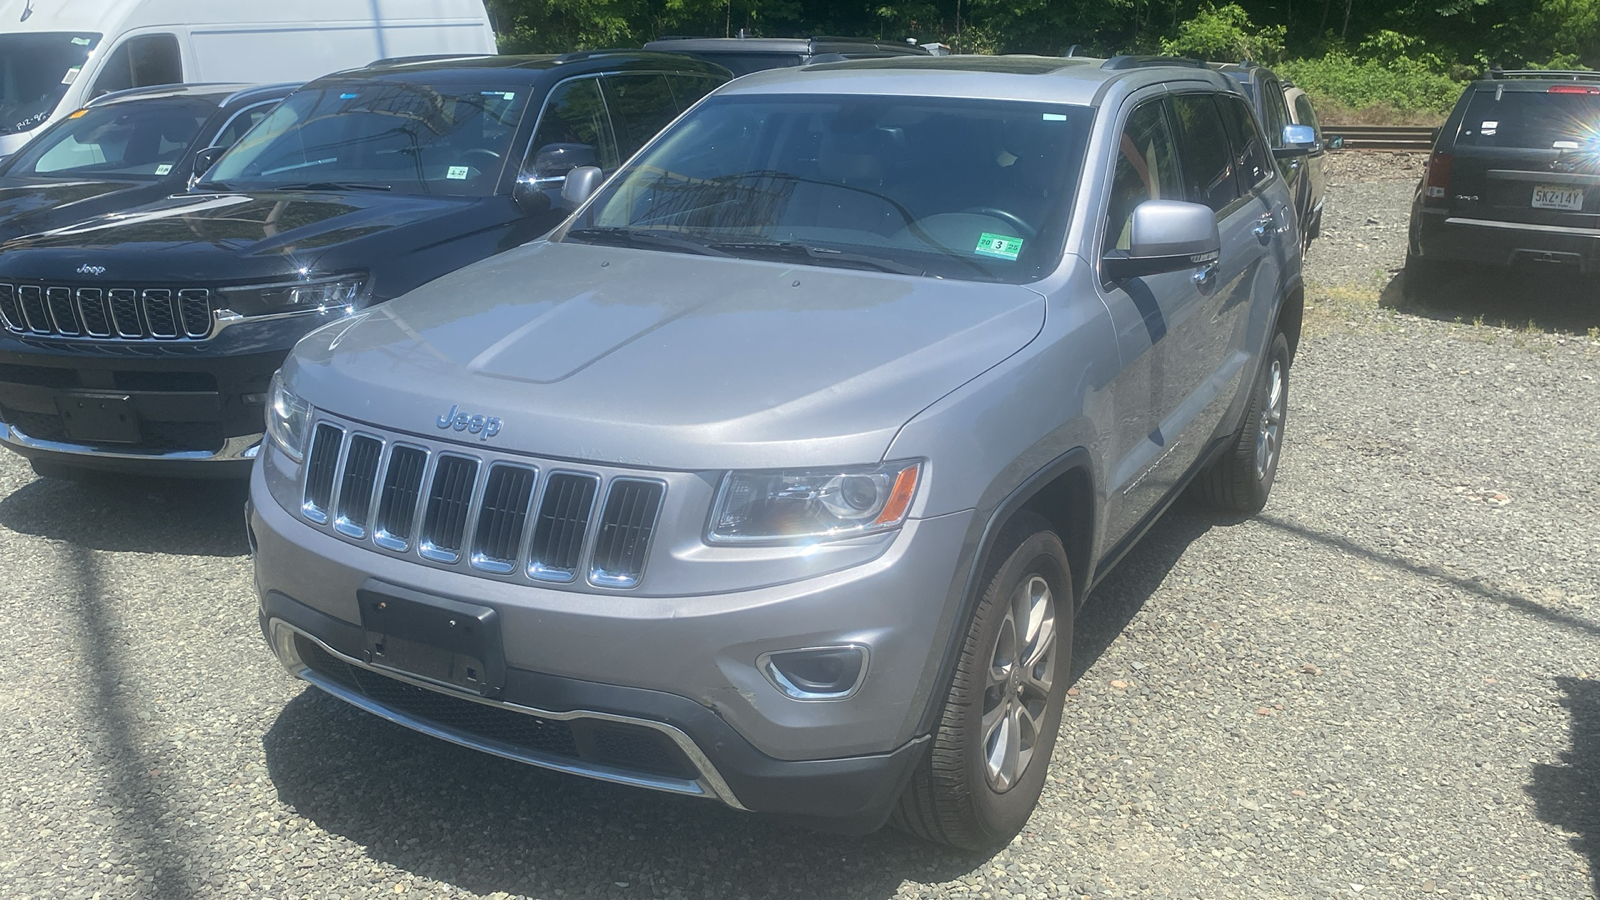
x=1386 y=685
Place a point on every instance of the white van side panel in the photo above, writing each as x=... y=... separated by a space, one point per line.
x=268 y=53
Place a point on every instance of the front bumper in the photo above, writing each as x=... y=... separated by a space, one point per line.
x=683 y=668
x=198 y=406
x=1440 y=235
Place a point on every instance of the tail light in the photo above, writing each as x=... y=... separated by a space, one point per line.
x=1574 y=89
x=1437 y=189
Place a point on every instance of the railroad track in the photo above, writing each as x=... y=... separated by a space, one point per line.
x=1379 y=137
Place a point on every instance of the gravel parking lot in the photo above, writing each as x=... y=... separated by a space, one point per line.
x=1386 y=685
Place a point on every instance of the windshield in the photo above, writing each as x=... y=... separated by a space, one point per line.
x=35 y=71
x=448 y=139
x=140 y=139
x=1534 y=121
x=966 y=189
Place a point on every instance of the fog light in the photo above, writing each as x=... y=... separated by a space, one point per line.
x=816 y=673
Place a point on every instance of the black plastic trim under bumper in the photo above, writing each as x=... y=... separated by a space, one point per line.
x=852 y=795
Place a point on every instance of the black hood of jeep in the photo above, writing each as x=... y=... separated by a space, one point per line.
x=209 y=239
x=32 y=205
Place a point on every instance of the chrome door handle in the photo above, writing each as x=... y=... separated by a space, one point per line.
x=1263 y=225
x=1206 y=274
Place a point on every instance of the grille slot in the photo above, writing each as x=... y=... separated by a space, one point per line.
x=92 y=312
x=320 y=466
x=159 y=315
x=503 y=518
x=626 y=523
x=444 y=523
x=563 y=519
x=194 y=308
x=9 y=310
x=31 y=298
x=397 y=503
x=124 y=303
x=355 y=488
x=61 y=311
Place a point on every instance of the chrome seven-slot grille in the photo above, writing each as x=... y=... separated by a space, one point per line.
x=118 y=313
x=500 y=517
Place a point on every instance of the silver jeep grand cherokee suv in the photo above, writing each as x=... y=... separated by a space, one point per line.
x=777 y=473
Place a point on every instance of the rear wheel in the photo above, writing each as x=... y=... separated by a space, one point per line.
x=982 y=778
x=1421 y=278
x=1241 y=479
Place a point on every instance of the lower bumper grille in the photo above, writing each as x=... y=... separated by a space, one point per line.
x=615 y=745
x=156 y=437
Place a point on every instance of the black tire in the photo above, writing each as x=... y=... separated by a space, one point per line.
x=1240 y=480
x=1421 y=279
x=953 y=798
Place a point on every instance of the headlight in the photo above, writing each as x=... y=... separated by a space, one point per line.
x=288 y=419
x=345 y=292
x=820 y=504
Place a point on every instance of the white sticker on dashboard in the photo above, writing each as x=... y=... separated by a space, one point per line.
x=164 y=168
x=457 y=172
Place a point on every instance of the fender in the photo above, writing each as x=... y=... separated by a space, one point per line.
x=977 y=559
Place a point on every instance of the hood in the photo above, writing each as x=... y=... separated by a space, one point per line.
x=664 y=360
x=240 y=236
x=23 y=200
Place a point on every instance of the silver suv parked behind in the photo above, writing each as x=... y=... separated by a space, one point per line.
x=777 y=474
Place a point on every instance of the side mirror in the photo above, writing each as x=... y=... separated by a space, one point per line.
x=580 y=184
x=552 y=162
x=203 y=161
x=1298 y=140
x=529 y=198
x=1168 y=236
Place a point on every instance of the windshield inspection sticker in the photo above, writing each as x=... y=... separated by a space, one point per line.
x=164 y=168
x=1054 y=117
x=457 y=172
x=72 y=75
x=998 y=246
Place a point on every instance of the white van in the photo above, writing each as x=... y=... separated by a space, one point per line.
x=56 y=55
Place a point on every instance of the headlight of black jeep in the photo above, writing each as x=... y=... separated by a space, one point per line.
x=288 y=419
x=816 y=504
x=344 y=292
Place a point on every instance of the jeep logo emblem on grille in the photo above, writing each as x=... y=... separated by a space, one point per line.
x=484 y=426
x=87 y=269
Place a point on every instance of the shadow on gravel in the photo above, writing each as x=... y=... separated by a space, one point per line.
x=142 y=515
x=147 y=837
x=485 y=824
x=1568 y=796
x=1541 y=301
x=1525 y=605
x=1116 y=600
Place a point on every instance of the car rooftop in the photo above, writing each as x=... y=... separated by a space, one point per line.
x=222 y=92
x=474 y=66
x=1073 y=80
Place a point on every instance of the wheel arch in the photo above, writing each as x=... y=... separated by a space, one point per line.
x=1062 y=492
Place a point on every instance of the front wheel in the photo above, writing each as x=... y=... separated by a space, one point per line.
x=982 y=778
x=1241 y=479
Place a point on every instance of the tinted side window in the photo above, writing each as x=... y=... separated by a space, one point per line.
x=242 y=121
x=1203 y=151
x=1252 y=161
x=1306 y=115
x=141 y=61
x=640 y=105
x=688 y=89
x=1277 y=111
x=1146 y=170
x=573 y=130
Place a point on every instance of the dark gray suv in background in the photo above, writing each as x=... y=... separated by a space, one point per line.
x=1514 y=178
x=777 y=474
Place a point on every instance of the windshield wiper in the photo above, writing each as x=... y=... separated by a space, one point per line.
x=329 y=186
x=805 y=253
x=640 y=237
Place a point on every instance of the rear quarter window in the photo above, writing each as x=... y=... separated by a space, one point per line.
x=1531 y=120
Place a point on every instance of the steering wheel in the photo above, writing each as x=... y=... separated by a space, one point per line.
x=1010 y=218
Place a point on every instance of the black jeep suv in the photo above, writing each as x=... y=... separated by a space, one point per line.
x=145 y=340
x=1514 y=178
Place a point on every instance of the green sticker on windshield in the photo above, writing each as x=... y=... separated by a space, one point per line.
x=998 y=246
